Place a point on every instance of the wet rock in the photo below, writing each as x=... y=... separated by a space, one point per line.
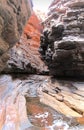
x=13 y=16
x=20 y=104
x=39 y=114
x=24 y=57
x=62 y=42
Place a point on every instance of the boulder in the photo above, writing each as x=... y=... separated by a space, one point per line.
x=62 y=41
x=13 y=16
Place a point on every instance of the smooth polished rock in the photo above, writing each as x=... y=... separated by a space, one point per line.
x=23 y=99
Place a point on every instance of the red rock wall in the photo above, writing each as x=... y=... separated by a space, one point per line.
x=25 y=56
x=33 y=29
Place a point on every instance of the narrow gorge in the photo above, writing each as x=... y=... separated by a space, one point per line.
x=41 y=65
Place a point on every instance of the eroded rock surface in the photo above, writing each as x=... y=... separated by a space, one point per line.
x=62 y=42
x=16 y=111
x=24 y=57
x=13 y=16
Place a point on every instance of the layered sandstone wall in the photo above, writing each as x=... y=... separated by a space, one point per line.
x=13 y=16
x=62 y=42
x=24 y=56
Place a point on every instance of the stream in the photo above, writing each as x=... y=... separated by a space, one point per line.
x=21 y=109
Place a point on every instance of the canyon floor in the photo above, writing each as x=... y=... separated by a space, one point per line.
x=42 y=66
x=23 y=99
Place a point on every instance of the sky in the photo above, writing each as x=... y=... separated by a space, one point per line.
x=41 y=4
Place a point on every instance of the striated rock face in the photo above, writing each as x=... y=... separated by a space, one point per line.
x=13 y=16
x=14 y=105
x=62 y=42
x=24 y=57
